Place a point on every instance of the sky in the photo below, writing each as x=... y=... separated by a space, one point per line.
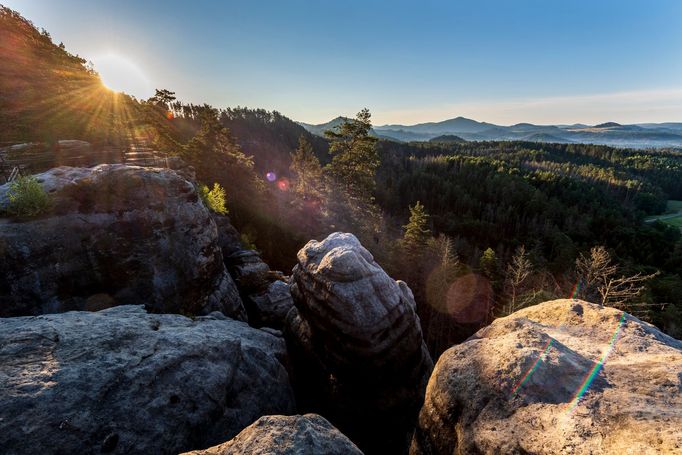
x=504 y=62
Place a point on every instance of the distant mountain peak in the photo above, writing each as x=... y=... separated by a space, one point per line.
x=608 y=125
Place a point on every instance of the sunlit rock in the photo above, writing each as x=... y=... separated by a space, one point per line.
x=287 y=435
x=564 y=376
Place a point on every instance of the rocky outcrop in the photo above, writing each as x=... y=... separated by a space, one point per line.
x=248 y=270
x=124 y=381
x=359 y=356
x=265 y=296
x=119 y=235
x=293 y=435
x=565 y=376
x=270 y=307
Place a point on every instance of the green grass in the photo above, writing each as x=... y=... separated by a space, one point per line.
x=672 y=207
x=677 y=221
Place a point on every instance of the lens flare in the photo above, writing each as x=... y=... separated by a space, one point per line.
x=283 y=184
x=533 y=368
x=576 y=290
x=271 y=176
x=592 y=374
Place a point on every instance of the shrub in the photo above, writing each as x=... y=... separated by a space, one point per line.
x=27 y=197
x=214 y=199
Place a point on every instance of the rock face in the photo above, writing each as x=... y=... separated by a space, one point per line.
x=270 y=307
x=294 y=435
x=248 y=270
x=124 y=381
x=356 y=341
x=118 y=234
x=266 y=297
x=532 y=383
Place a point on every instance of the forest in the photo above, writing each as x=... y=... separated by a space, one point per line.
x=477 y=229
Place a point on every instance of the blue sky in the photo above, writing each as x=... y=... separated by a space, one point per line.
x=505 y=62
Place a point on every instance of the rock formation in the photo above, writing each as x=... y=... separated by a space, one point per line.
x=124 y=381
x=265 y=296
x=561 y=377
x=116 y=235
x=295 y=435
x=356 y=341
x=270 y=307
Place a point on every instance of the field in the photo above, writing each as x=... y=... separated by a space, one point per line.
x=672 y=216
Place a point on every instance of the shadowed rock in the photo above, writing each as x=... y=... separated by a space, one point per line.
x=124 y=381
x=280 y=435
x=127 y=235
x=517 y=386
x=270 y=307
x=357 y=344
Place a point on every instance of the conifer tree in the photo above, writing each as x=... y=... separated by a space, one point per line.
x=417 y=232
x=307 y=168
x=354 y=156
x=489 y=264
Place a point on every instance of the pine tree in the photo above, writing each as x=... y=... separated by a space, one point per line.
x=489 y=264
x=354 y=156
x=417 y=232
x=307 y=168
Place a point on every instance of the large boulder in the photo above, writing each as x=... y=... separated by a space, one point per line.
x=116 y=235
x=281 y=435
x=356 y=343
x=124 y=381
x=564 y=376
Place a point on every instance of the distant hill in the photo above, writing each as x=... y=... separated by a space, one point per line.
x=322 y=127
x=447 y=139
x=455 y=125
x=608 y=125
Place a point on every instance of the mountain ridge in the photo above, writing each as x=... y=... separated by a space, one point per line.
x=645 y=135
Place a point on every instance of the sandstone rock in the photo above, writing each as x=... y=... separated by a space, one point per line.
x=356 y=341
x=265 y=296
x=248 y=270
x=270 y=308
x=138 y=235
x=124 y=381
x=294 y=435
x=228 y=237
x=516 y=386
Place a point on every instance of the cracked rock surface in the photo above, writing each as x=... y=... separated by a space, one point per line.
x=516 y=387
x=124 y=381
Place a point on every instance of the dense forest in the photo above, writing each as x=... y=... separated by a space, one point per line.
x=477 y=229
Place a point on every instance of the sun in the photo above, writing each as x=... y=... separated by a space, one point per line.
x=122 y=75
